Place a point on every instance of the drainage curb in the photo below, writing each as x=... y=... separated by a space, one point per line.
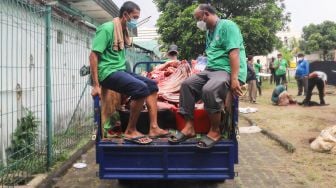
x=59 y=172
x=284 y=143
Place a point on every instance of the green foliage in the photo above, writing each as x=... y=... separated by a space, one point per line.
x=259 y=21
x=320 y=37
x=24 y=138
x=177 y=25
x=287 y=54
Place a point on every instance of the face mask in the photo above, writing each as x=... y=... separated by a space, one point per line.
x=300 y=59
x=201 y=25
x=132 y=24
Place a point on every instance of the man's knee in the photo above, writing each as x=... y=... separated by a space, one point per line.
x=140 y=90
x=214 y=92
x=185 y=84
x=152 y=86
x=207 y=91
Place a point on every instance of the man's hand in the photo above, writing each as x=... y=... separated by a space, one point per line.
x=235 y=88
x=96 y=91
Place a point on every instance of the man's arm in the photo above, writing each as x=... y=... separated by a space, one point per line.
x=94 y=74
x=276 y=64
x=307 y=68
x=234 y=63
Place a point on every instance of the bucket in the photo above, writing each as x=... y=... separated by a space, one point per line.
x=201 y=121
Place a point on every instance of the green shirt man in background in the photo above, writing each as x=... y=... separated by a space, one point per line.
x=280 y=66
x=226 y=69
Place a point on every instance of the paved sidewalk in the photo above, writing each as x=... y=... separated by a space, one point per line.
x=262 y=163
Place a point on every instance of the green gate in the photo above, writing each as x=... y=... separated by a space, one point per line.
x=45 y=106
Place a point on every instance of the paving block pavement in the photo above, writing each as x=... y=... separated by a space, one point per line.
x=262 y=163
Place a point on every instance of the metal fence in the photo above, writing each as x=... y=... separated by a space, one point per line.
x=45 y=106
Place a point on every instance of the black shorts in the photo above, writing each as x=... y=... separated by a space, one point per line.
x=130 y=84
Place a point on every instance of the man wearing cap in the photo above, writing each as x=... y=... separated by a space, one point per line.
x=172 y=52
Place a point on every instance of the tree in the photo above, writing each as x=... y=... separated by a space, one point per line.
x=320 y=37
x=259 y=21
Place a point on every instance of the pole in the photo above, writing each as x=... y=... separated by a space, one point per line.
x=48 y=86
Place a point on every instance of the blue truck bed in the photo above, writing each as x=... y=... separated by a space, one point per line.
x=161 y=161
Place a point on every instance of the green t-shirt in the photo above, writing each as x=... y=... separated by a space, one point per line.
x=110 y=60
x=257 y=68
x=280 y=67
x=225 y=37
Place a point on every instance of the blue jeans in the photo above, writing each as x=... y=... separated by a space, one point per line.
x=130 y=84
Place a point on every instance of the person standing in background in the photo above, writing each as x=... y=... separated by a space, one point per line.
x=301 y=75
x=280 y=66
x=272 y=70
x=257 y=69
x=251 y=80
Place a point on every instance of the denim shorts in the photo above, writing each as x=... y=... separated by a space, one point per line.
x=130 y=84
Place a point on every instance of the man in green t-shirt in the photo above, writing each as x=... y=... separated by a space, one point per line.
x=280 y=66
x=226 y=69
x=108 y=70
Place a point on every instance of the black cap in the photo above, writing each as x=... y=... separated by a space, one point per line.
x=172 y=48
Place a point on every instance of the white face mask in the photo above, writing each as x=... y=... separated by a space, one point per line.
x=201 y=25
x=300 y=59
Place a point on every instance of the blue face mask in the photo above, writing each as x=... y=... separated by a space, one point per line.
x=132 y=24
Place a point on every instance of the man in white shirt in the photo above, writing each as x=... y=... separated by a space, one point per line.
x=318 y=79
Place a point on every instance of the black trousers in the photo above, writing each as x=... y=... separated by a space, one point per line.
x=278 y=78
x=272 y=78
x=259 y=82
x=319 y=83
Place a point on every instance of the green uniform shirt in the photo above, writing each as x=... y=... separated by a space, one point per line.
x=110 y=61
x=225 y=37
x=257 y=68
x=280 y=67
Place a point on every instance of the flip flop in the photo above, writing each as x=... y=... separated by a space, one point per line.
x=160 y=136
x=178 y=138
x=207 y=142
x=136 y=140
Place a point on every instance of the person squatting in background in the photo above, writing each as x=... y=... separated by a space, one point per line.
x=280 y=96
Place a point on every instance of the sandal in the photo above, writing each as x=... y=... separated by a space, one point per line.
x=207 y=142
x=178 y=138
x=137 y=140
x=164 y=135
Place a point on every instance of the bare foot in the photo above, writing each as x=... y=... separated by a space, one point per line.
x=157 y=131
x=188 y=130
x=214 y=135
x=134 y=134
